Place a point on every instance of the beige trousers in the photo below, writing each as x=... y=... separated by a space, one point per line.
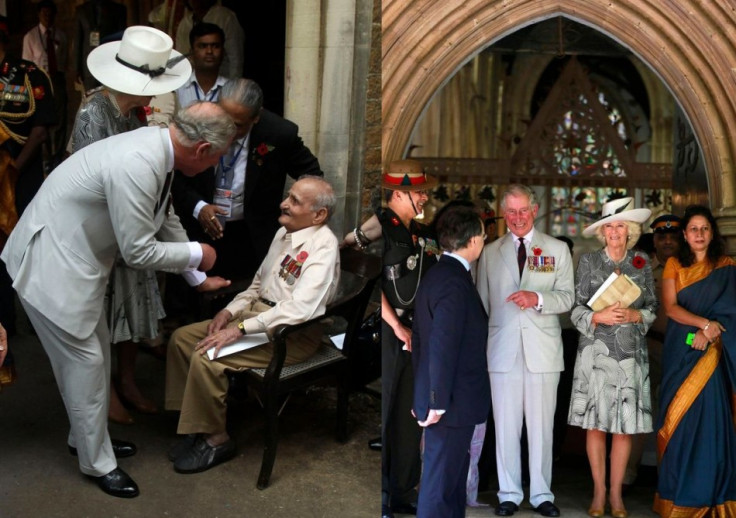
x=197 y=386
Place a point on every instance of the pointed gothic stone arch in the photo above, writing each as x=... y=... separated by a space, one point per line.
x=687 y=43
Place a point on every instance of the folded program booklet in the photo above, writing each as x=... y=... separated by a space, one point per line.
x=617 y=288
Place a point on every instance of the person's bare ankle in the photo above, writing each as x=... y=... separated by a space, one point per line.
x=216 y=439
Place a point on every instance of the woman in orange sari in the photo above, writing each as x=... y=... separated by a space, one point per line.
x=696 y=439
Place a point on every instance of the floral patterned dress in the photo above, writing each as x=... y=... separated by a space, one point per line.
x=133 y=302
x=611 y=378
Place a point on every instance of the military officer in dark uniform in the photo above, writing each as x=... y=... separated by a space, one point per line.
x=26 y=113
x=409 y=250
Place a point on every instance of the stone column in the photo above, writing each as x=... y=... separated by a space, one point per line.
x=333 y=135
x=303 y=68
x=327 y=63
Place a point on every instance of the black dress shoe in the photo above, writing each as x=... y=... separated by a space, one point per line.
x=375 y=444
x=507 y=508
x=182 y=445
x=201 y=456
x=118 y=483
x=386 y=512
x=121 y=449
x=547 y=509
x=410 y=508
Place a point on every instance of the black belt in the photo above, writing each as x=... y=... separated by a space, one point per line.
x=267 y=302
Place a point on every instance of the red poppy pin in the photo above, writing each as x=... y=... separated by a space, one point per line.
x=395 y=221
x=536 y=251
x=141 y=113
x=38 y=92
x=638 y=262
x=302 y=256
x=148 y=110
x=260 y=151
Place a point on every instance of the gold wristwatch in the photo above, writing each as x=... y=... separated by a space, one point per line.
x=241 y=327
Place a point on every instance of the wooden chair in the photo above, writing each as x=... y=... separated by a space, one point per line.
x=358 y=276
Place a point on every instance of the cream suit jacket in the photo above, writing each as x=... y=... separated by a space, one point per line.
x=102 y=199
x=510 y=330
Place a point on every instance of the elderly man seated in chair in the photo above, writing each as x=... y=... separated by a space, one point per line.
x=295 y=282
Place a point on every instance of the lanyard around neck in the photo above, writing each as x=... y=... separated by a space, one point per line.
x=225 y=168
x=208 y=97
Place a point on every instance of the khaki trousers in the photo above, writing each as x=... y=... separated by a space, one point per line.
x=197 y=386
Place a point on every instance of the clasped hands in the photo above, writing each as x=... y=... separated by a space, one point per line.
x=209 y=256
x=219 y=334
x=207 y=217
x=615 y=314
x=703 y=337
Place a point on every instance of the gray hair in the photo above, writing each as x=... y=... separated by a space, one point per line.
x=517 y=189
x=325 y=196
x=244 y=92
x=633 y=235
x=204 y=121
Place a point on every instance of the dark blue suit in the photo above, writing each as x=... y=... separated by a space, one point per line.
x=450 y=373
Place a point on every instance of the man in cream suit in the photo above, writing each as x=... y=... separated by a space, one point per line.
x=111 y=195
x=525 y=279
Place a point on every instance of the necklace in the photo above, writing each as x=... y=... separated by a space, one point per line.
x=616 y=264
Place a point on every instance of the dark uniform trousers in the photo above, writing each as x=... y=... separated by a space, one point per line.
x=408 y=253
x=401 y=464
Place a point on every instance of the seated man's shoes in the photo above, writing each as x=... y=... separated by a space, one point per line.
x=118 y=483
x=507 y=508
x=386 y=512
x=182 y=445
x=409 y=508
x=121 y=449
x=547 y=509
x=201 y=456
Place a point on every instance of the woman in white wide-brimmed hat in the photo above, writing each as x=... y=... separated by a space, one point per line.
x=611 y=378
x=132 y=70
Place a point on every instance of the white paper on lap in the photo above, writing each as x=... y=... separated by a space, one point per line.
x=246 y=342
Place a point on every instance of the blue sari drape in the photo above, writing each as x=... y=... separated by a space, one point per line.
x=696 y=434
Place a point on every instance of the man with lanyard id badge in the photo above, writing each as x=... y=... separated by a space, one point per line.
x=245 y=189
x=228 y=198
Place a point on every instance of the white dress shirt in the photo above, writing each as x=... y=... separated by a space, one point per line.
x=34 y=47
x=527 y=241
x=239 y=164
x=191 y=91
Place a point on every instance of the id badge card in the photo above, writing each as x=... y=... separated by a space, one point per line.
x=94 y=39
x=223 y=199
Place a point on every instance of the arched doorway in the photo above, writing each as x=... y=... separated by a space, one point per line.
x=561 y=107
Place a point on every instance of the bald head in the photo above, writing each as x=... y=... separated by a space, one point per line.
x=309 y=202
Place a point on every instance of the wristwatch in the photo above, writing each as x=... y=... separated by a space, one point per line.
x=241 y=327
